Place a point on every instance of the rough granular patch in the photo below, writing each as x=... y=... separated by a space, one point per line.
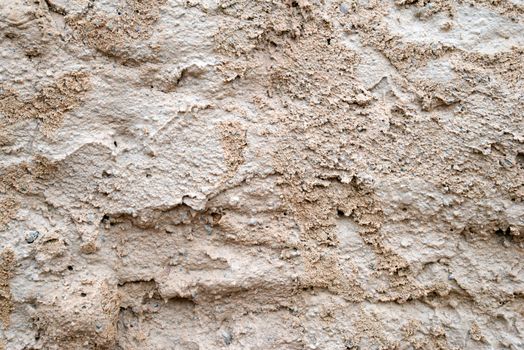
x=264 y=174
x=512 y=9
x=111 y=33
x=23 y=177
x=426 y=9
x=29 y=26
x=7 y=258
x=8 y=209
x=50 y=103
x=233 y=139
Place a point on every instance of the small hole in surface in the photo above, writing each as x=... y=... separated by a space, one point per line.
x=520 y=160
x=294 y=4
x=115 y=143
x=70 y=268
x=340 y=212
x=83 y=294
x=501 y=232
x=329 y=41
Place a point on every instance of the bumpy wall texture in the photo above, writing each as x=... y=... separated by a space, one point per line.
x=261 y=174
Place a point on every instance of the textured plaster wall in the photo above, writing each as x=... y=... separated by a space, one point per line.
x=261 y=174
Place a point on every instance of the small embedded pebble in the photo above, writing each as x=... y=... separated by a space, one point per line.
x=228 y=338
x=234 y=200
x=405 y=243
x=31 y=236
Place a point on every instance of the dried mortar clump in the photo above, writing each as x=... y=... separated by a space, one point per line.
x=261 y=174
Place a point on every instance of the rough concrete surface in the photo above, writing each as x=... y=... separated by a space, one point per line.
x=261 y=174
